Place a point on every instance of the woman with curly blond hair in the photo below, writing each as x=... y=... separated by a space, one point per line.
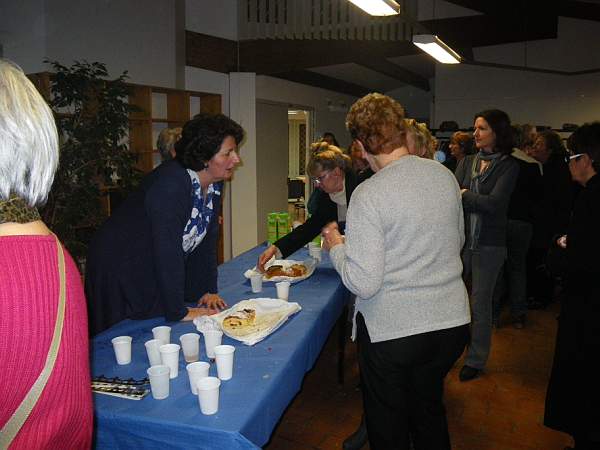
x=419 y=140
x=331 y=172
x=401 y=257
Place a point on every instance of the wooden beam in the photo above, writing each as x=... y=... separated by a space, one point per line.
x=210 y=52
x=478 y=31
x=580 y=10
x=322 y=81
x=392 y=70
x=270 y=56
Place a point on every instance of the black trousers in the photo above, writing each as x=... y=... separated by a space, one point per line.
x=403 y=387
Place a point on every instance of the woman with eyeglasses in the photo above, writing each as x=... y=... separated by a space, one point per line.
x=573 y=394
x=332 y=174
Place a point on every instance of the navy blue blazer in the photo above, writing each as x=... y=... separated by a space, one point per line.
x=325 y=212
x=136 y=267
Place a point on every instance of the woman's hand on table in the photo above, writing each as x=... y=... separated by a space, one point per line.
x=331 y=236
x=212 y=301
x=265 y=256
x=197 y=312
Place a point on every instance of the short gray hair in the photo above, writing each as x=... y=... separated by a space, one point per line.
x=28 y=138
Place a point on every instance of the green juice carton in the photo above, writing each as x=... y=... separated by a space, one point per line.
x=283 y=224
x=272 y=227
x=317 y=239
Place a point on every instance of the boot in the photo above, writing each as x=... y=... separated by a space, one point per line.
x=357 y=439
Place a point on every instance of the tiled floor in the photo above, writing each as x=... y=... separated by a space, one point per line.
x=502 y=410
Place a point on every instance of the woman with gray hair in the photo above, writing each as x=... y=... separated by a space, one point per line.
x=45 y=389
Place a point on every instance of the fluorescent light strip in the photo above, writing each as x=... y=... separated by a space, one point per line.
x=378 y=7
x=433 y=45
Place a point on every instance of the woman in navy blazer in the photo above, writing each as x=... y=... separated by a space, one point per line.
x=158 y=251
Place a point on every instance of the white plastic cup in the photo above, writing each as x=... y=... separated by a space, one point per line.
x=169 y=355
x=159 y=381
x=163 y=333
x=196 y=371
x=314 y=250
x=153 y=351
x=208 y=394
x=190 y=344
x=283 y=290
x=256 y=281
x=122 y=346
x=224 y=357
x=212 y=338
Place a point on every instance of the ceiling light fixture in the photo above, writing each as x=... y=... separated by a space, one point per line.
x=433 y=45
x=378 y=7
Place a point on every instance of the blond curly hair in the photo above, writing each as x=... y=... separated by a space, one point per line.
x=166 y=142
x=377 y=121
x=326 y=157
x=424 y=144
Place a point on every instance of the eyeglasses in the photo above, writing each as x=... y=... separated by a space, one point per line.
x=319 y=180
x=571 y=157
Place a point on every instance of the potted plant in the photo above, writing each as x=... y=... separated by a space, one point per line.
x=91 y=114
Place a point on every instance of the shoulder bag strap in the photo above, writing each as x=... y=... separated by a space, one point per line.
x=14 y=424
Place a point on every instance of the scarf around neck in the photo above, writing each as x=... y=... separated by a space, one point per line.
x=477 y=179
x=16 y=210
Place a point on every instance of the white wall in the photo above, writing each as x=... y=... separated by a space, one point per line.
x=23 y=33
x=544 y=99
x=124 y=34
x=244 y=201
x=295 y=94
x=216 y=18
x=416 y=102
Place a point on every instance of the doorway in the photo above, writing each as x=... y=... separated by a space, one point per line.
x=299 y=132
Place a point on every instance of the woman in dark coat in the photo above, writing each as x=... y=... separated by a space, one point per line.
x=573 y=393
x=331 y=171
x=158 y=251
x=487 y=180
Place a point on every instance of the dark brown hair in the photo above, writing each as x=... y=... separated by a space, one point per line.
x=500 y=123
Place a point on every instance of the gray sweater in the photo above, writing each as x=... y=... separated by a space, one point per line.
x=401 y=257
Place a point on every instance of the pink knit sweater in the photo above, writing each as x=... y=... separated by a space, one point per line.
x=29 y=285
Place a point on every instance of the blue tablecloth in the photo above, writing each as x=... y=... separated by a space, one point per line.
x=267 y=375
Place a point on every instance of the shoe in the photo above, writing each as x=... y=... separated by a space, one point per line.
x=358 y=439
x=468 y=373
x=518 y=322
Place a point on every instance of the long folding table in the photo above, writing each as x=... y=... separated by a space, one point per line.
x=266 y=378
